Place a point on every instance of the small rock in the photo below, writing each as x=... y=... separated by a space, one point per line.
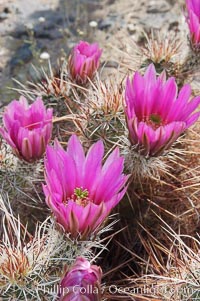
x=173 y=25
x=93 y=24
x=3 y=16
x=155 y=7
x=41 y=19
x=131 y=28
x=20 y=32
x=48 y=29
x=29 y=26
x=7 y=10
x=22 y=56
x=48 y=34
x=80 y=32
x=2 y=52
x=44 y=56
x=105 y=24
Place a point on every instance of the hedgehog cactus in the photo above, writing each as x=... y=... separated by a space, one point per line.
x=81 y=282
x=102 y=113
x=27 y=129
x=84 y=62
x=82 y=199
x=156 y=114
x=193 y=20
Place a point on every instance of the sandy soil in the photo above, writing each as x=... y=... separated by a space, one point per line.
x=30 y=27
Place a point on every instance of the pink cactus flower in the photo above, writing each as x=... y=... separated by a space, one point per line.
x=193 y=20
x=27 y=129
x=81 y=282
x=156 y=114
x=80 y=191
x=84 y=61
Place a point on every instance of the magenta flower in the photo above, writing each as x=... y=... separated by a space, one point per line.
x=84 y=61
x=27 y=129
x=193 y=20
x=82 y=282
x=79 y=191
x=156 y=115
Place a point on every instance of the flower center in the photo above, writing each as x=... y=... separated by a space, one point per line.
x=154 y=120
x=80 y=197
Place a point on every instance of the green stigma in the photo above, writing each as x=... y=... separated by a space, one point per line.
x=80 y=193
x=155 y=118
